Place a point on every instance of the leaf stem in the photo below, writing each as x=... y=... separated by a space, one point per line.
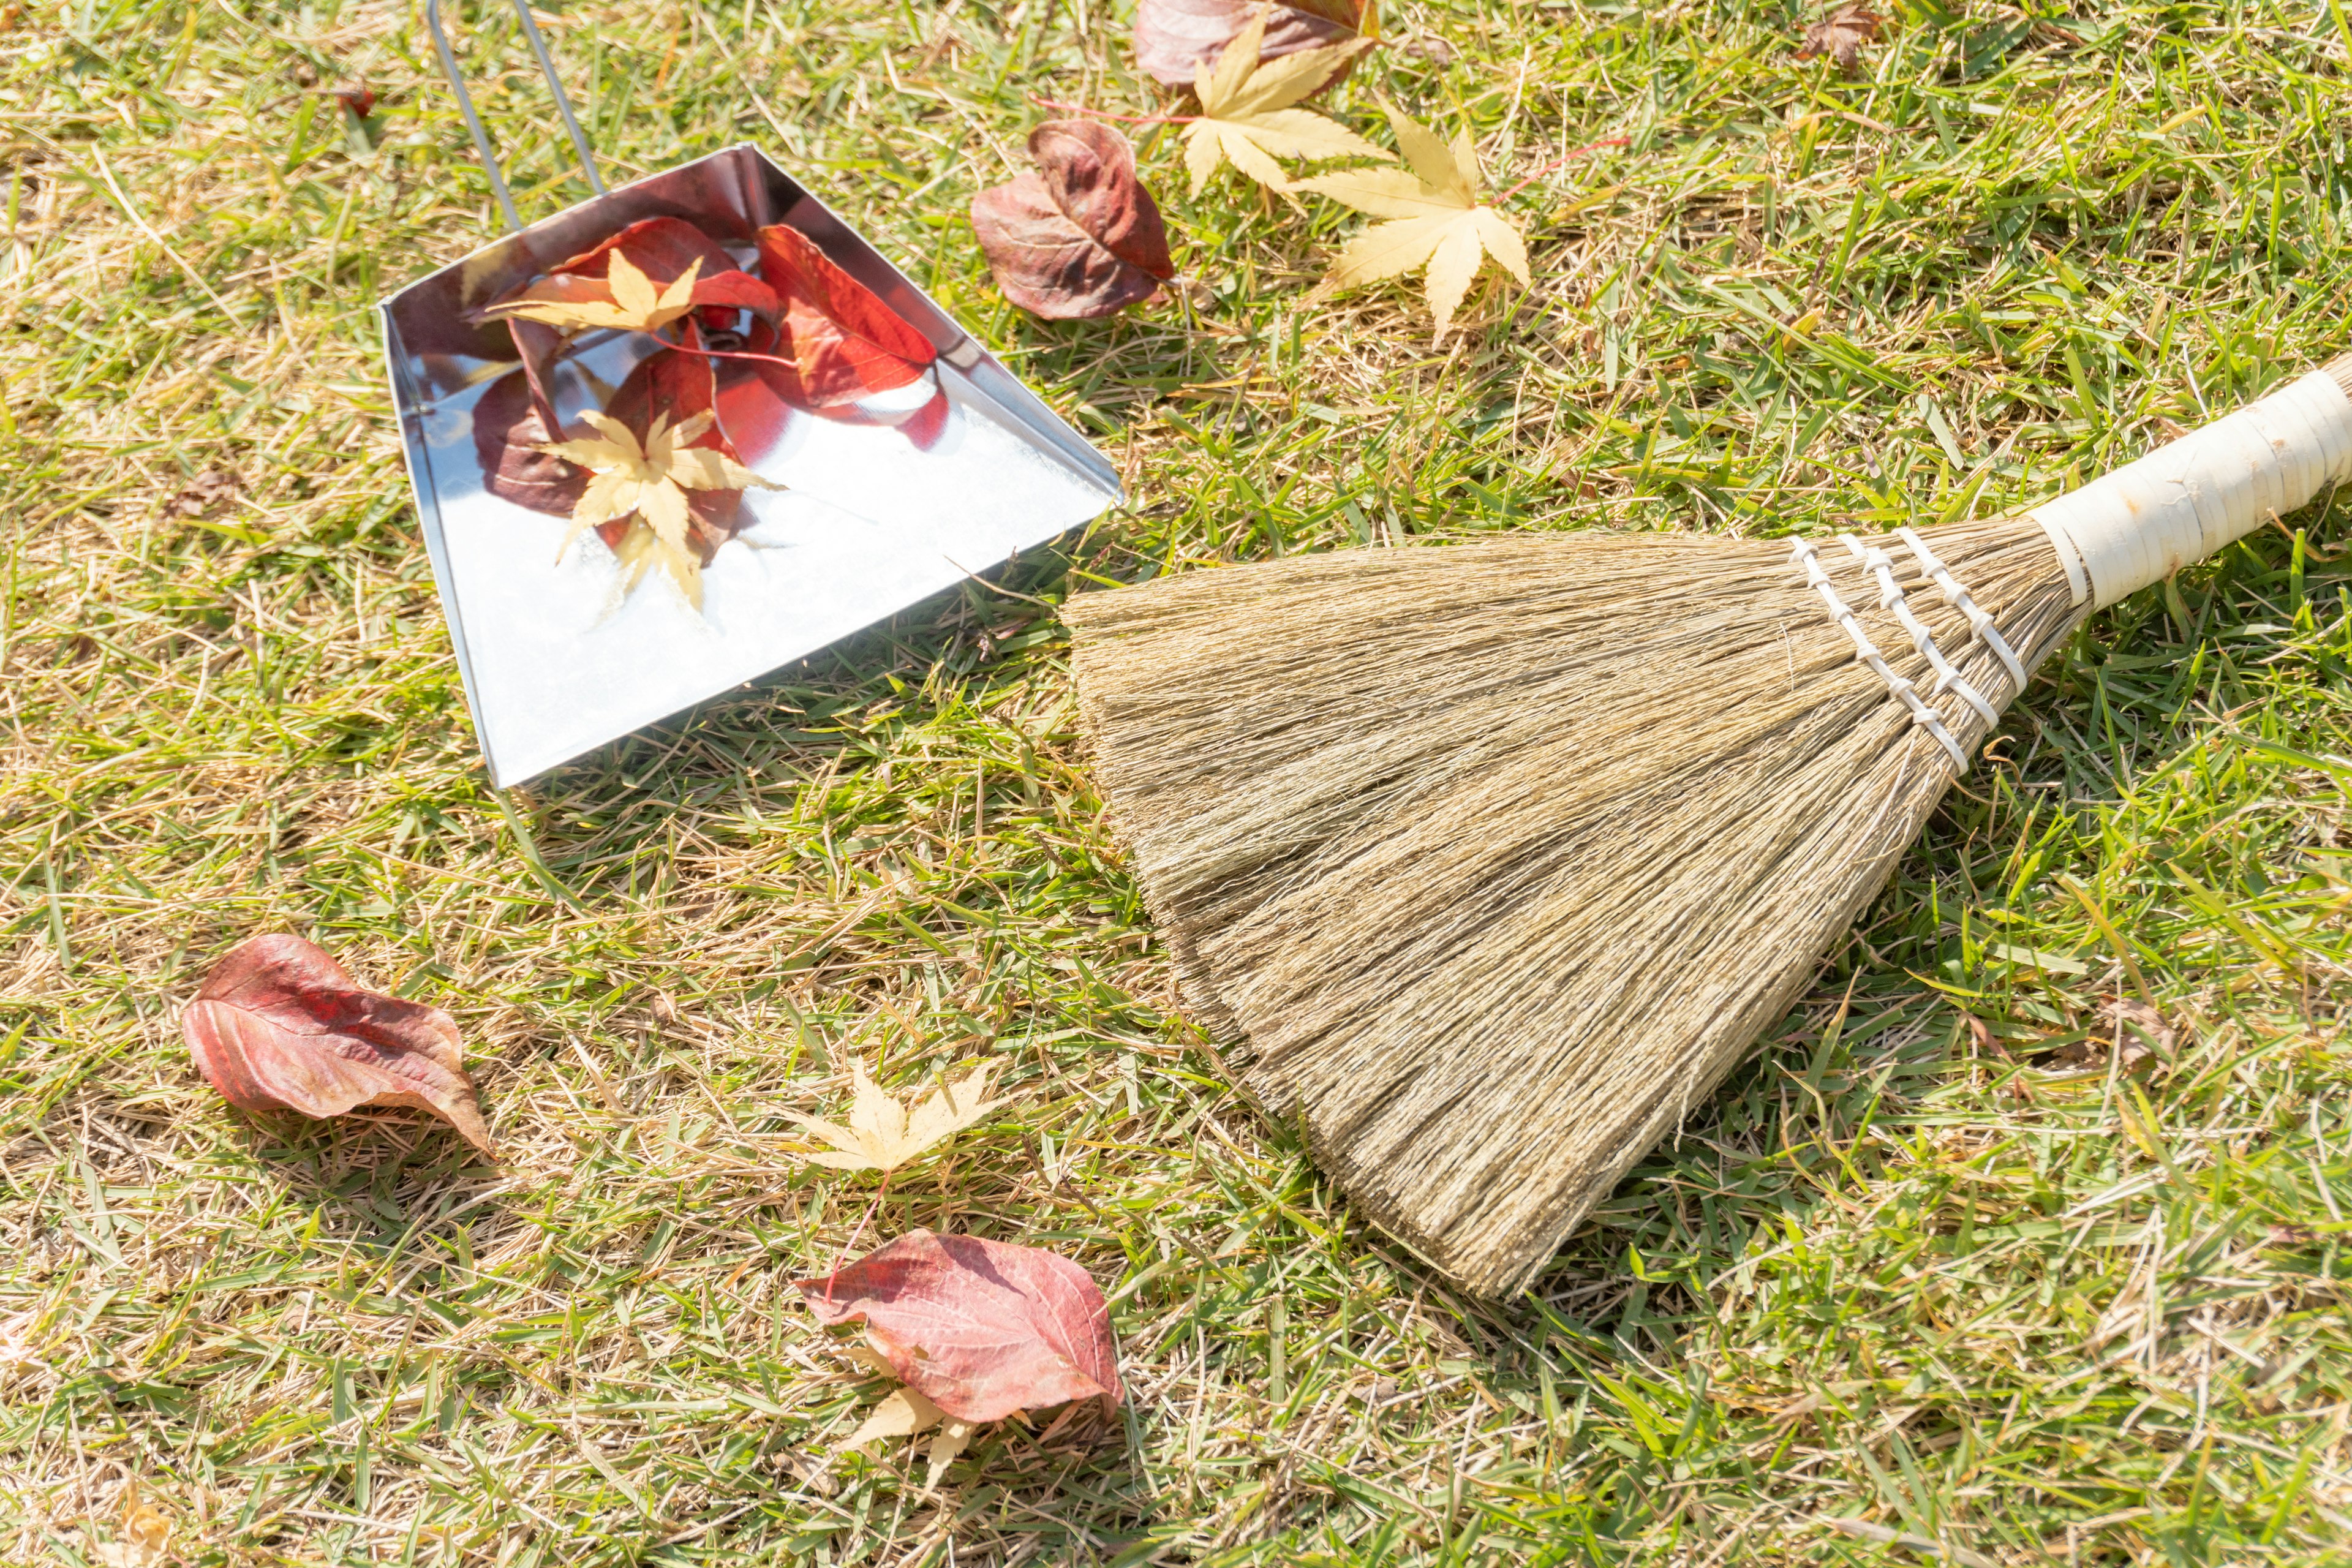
x=1564 y=162
x=1107 y=114
x=723 y=354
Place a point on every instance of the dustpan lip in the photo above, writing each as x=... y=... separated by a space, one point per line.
x=385 y=303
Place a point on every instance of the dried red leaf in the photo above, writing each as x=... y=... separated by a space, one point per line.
x=845 y=343
x=279 y=1025
x=1173 y=38
x=1081 y=237
x=508 y=433
x=981 y=1329
x=1841 y=36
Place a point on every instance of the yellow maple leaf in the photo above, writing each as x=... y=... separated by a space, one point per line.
x=1247 y=118
x=649 y=482
x=883 y=1135
x=903 y=1414
x=572 y=302
x=1434 y=218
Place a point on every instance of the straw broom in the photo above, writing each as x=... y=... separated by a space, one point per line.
x=1495 y=857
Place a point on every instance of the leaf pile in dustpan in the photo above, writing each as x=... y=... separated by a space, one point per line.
x=742 y=349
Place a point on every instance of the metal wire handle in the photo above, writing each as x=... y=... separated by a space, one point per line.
x=474 y=120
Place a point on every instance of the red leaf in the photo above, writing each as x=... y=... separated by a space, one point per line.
x=844 y=342
x=508 y=433
x=1173 y=38
x=279 y=1025
x=981 y=1328
x=1079 y=238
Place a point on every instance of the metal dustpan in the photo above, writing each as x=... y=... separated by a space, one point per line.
x=564 y=638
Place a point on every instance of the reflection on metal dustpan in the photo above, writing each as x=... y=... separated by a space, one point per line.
x=556 y=659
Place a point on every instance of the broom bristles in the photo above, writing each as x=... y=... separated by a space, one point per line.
x=1495 y=857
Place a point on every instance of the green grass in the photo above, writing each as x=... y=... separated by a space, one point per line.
x=1932 y=1273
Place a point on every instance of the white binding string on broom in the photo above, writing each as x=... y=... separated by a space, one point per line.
x=1803 y=551
x=1890 y=597
x=1980 y=625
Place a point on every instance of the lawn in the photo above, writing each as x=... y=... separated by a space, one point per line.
x=2021 y=1241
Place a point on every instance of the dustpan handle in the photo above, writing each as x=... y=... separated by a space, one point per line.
x=474 y=120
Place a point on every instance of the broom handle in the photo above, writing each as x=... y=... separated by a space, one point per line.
x=2183 y=501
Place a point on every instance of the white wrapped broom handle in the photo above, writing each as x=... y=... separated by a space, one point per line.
x=2183 y=501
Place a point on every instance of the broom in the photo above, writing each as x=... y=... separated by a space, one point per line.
x=1494 y=858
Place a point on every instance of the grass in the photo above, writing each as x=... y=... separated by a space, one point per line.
x=2022 y=1241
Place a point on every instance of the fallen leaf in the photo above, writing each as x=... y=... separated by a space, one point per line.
x=980 y=1328
x=1174 y=38
x=205 y=495
x=2137 y=1036
x=681 y=383
x=1247 y=118
x=648 y=481
x=144 y=1536
x=955 y=1438
x=626 y=299
x=510 y=442
x=279 y=1025
x=642 y=278
x=845 y=343
x=1435 y=220
x=2130 y=1014
x=902 y=1415
x=1841 y=36
x=1080 y=237
x=883 y=1135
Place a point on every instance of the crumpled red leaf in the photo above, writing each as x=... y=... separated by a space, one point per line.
x=279 y=1025
x=1173 y=38
x=845 y=343
x=980 y=1328
x=1081 y=237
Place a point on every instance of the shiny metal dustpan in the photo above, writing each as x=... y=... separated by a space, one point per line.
x=880 y=510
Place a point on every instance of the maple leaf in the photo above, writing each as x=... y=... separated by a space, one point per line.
x=1247 y=118
x=571 y=301
x=1435 y=220
x=280 y=1025
x=1841 y=36
x=649 y=482
x=883 y=1135
x=979 y=1328
x=904 y=1413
